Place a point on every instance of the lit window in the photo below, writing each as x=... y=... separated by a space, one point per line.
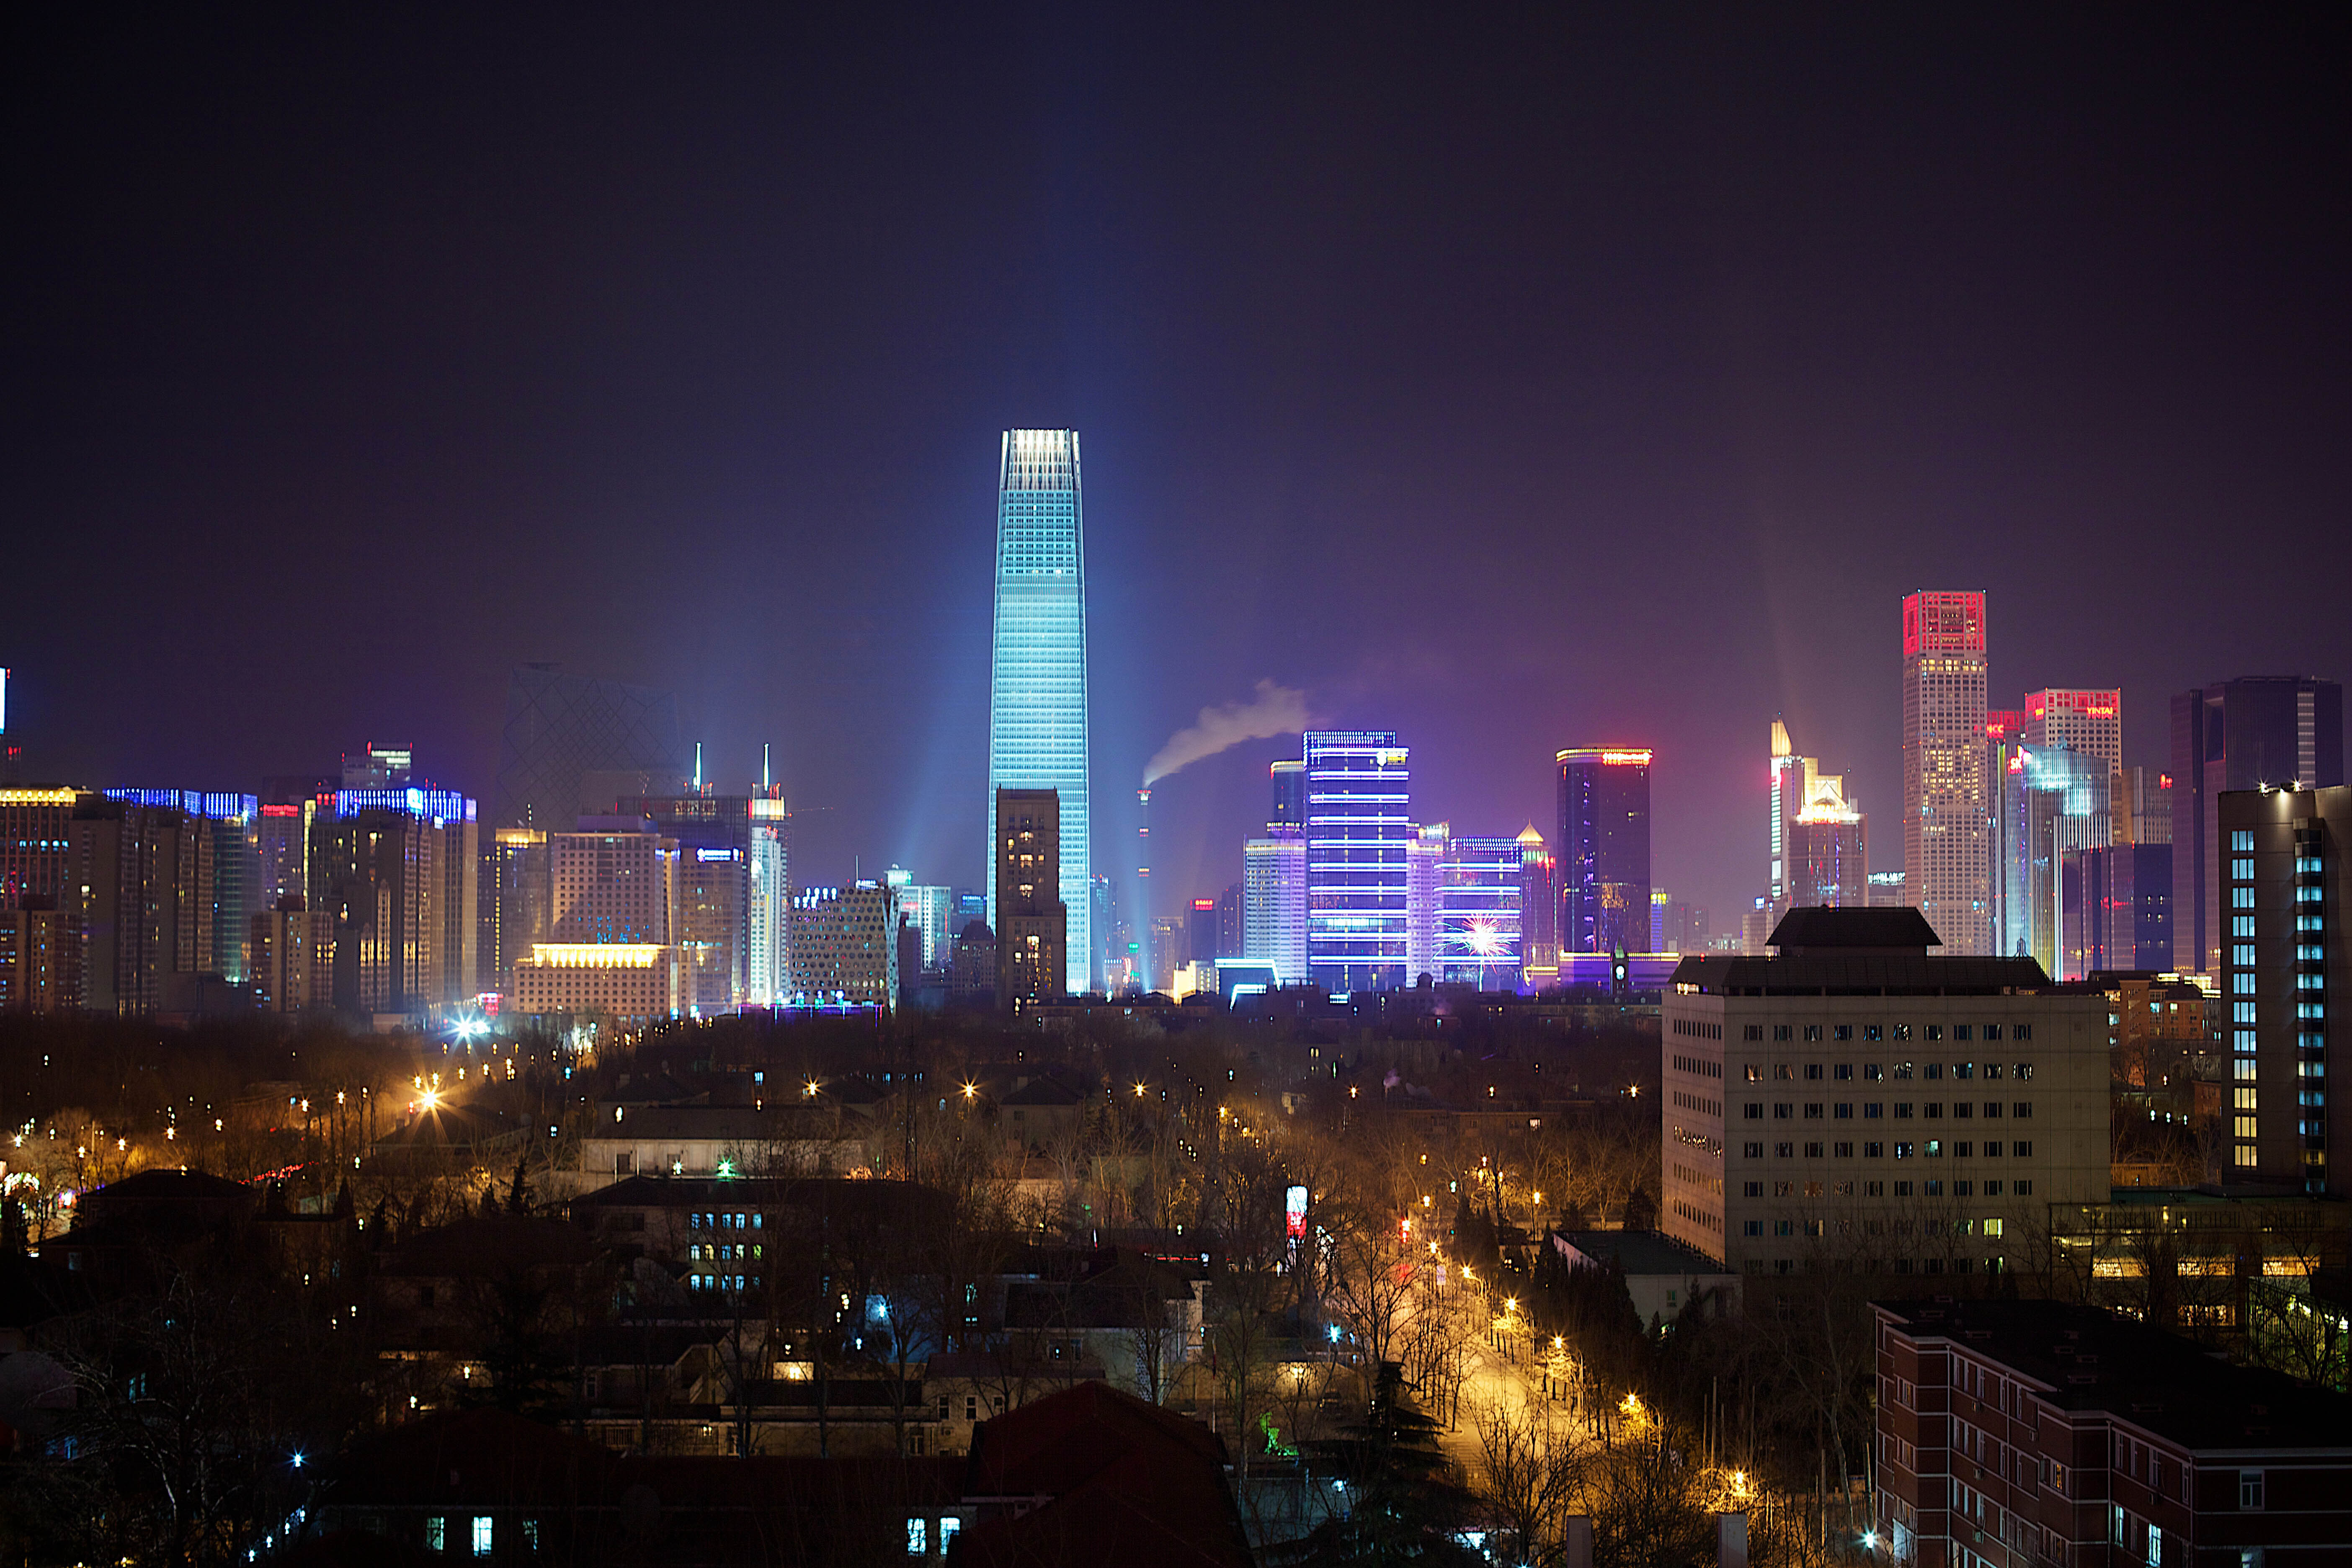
x=919 y=1537
x=481 y=1535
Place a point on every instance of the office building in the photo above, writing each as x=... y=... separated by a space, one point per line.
x=844 y=946
x=1033 y=922
x=399 y=872
x=2143 y=806
x=2128 y=889
x=293 y=948
x=714 y=833
x=517 y=903
x=1604 y=850
x=614 y=880
x=1426 y=855
x=632 y=984
x=380 y=767
x=281 y=848
x=40 y=956
x=2050 y=815
x=1855 y=1104
x=1479 y=914
x=1167 y=954
x=142 y=881
x=1539 y=907
x=1888 y=892
x=767 y=930
x=36 y=844
x=929 y=909
x=1288 y=776
x=2015 y=1434
x=1359 y=828
x=1201 y=932
x=2091 y=722
x=1230 y=922
x=2285 y=875
x=1947 y=847
x=2265 y=731
x=568 y=737
x=1037 y=695
x=1274 y=902
x=1819 y=846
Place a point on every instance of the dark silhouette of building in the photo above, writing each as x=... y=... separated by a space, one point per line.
x=2257 y=731
x=1033 y=926
x=561 y=729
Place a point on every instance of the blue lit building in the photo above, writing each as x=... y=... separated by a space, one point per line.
x=1358 y=830
x=1604 y=850
x=233 y=891
x=1037 y=691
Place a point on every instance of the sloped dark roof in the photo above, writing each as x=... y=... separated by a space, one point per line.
x=1130 y=1483
x=1814 y=927
x=179 y=1197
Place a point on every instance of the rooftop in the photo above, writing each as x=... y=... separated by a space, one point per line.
x=1641 y=1252
x=2089 y=1361
x=1815 y=928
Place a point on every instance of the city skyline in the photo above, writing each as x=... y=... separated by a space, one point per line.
x=1690 y=461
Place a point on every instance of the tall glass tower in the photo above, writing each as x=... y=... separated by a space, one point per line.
x=1037 y=692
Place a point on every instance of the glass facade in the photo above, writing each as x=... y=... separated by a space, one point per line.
x=1037 y=695
x=1478 y=913
x=1604 y=850
x=1359 y=828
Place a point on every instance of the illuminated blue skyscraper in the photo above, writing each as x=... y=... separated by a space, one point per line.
x=1359 y=825
x=1037 y=695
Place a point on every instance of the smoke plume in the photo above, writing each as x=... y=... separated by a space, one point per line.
x=1276 y=710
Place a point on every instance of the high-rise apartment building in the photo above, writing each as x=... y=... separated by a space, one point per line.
x=1604 y=848
x=141 y=889
x=293 y=948
x=1032 y=921
x=1947 y=847
x=399 y=870
x=2285 y=880
x=234 y=867
x=1479 y=931
x=2262 y=732
x=1273 y=901
x=281 y=848
x=1359 y=828
x=1037 y=699
x=1230 y=922
x=40 y=956
x=2144 y=808
x=1855 y=1104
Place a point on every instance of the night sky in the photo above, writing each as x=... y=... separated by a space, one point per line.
x=1510 y=380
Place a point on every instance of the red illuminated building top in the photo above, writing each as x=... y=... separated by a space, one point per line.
x=2004 y=723
x=1943 y=623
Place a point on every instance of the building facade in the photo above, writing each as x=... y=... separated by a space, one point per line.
x=398 y=869
x=142 y=895
x=2051 y=816
x=767 y=930
x=1274 y=900
x=632 y=983
x=1538 y=908
x=1947 y=852
x=1479 y=933
x=1033 y=935
x=614 y=880
x=2258 y=732
x=293 y=948
x=1426 y=855
x=1604 y=850
x=1854 y=1102
x=844 y=945
x=2285 y=875
x=1359 y=828
x=2016 y=1434
x=1037 y=697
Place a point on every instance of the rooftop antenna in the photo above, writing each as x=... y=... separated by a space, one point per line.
x=767 y=781
x=698 y=767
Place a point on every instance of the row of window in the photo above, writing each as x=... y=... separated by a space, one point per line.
x=1958 y=1032
x=1877 y=1190
x=1934 y=1150
x=1881 y=1265
x=1872 y=1109
x=1878 y=1072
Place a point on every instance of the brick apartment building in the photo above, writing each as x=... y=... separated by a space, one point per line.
x=2014 y=1433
